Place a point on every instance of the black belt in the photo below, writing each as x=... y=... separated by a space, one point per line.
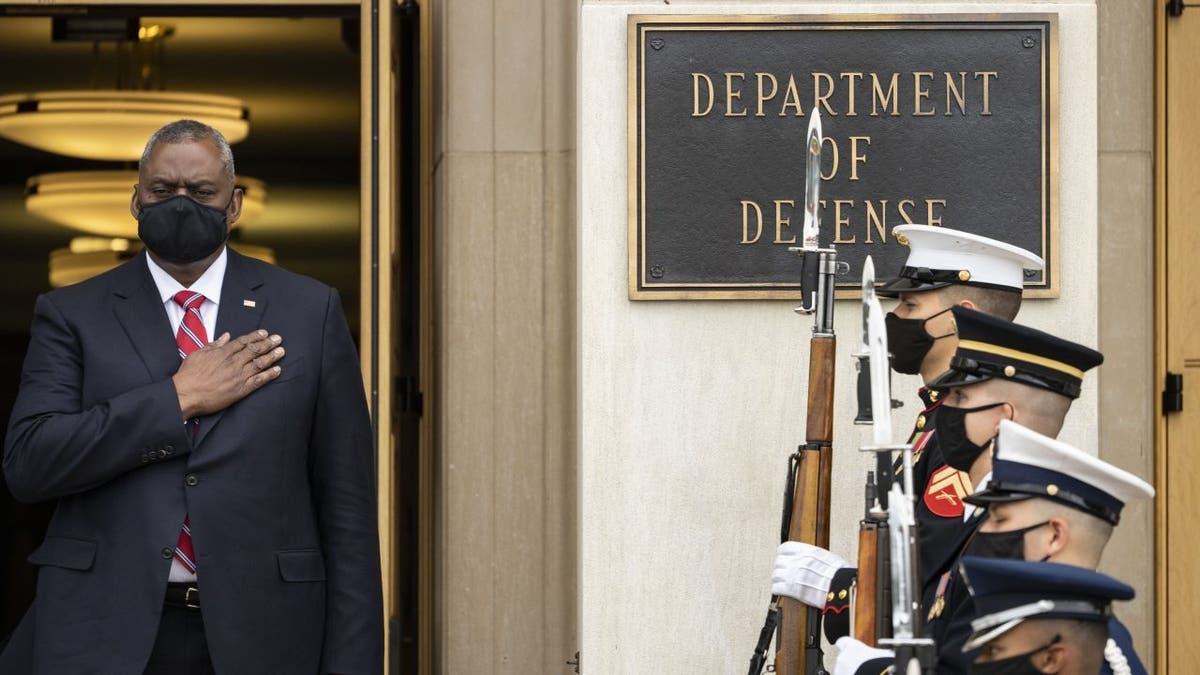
x=183 y=594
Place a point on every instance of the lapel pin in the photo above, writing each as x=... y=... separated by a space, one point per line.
x=247 y=303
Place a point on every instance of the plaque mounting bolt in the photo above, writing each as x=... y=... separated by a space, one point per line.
x=657 y=43
x=1028 y=42
x=657 y=271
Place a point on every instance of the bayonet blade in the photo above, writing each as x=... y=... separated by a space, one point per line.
x=881 y=395
x=812 y=182
x=868 y=294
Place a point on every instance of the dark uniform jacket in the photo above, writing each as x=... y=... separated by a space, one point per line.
x=939 y=509
x=939 y=500
x=1118 y=633
x=952 y=626
x=949 y=609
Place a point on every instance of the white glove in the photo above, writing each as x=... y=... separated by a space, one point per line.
x=804 y=572
x=852 y=654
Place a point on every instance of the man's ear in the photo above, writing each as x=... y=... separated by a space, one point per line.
x=1061 y=538
x=1052 y=659
x=235 y=206
x=1007 y=412
x=968 y=304
x=134 y=209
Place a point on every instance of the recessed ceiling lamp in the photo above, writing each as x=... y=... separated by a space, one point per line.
x=88 y=256
x=97 y=202
x=112 y=125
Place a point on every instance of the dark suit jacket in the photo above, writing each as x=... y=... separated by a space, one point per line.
x=280 y=486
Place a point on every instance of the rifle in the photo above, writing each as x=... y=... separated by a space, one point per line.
x=914 y=655
x=873 y=596
x=806 y=499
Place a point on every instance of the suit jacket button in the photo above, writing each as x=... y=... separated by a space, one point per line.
x=163 y=453
x=168 y=552
x=169 y=448
x=145 y=458
x=191 y=480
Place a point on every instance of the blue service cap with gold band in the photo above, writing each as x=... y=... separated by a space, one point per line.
x=992 y=348
x=940 y=257
x=1027 y=465
x=1007 y=592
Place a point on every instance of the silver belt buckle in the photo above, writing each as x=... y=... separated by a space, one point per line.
x=188 y=601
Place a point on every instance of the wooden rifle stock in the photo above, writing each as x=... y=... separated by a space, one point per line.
x=873 y=594
x=800 y=638
x=865 y=596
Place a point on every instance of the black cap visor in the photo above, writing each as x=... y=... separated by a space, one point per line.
x=895 y=287
x=956 y=378
x=992 y=496
x=965 y=370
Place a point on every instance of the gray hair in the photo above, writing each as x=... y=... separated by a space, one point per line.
x=190 y=131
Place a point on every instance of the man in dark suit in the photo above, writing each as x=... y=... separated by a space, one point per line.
x=216 y=500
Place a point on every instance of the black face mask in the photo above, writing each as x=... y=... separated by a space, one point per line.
x=909 y=342
x=957 y=448
x=182 y=230
x=1013 y=665
x=1007 y=545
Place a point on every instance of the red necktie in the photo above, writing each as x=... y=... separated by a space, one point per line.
x=190 y=337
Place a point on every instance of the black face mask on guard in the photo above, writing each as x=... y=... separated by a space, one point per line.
x=957 y=448
x=1007 y=545
x=182 y=230
x=909 y=342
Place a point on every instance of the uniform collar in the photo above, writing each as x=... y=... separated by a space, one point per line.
x=970 y=509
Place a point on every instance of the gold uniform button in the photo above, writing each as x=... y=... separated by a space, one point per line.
x=842 y=594
x=964 y=275
x=920 y=422
x=830 y=596
x=933 y=395
x=1009 y=371
x=1052 y=489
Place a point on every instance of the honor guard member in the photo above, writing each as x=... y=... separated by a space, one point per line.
x=945 y=268
x=1039 y=617
x=1048 y=500
x=1000 y=371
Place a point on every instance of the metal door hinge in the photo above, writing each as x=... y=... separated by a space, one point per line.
x=1176 y=7
x=577 y=662
x=1172 y=396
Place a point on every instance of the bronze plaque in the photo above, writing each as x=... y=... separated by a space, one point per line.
x=937 y=119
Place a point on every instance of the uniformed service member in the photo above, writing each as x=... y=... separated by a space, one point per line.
x=1000 y=371
x=1048 y=500
x=945 y=268
x=1039 y=617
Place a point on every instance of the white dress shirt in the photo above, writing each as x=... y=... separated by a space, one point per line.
x=209 y=285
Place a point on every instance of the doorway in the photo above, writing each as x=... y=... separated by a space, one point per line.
x=334 y=138
x=1178 y=342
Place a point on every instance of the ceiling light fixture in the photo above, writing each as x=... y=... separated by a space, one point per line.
x=112 y=125
x=97 y=202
